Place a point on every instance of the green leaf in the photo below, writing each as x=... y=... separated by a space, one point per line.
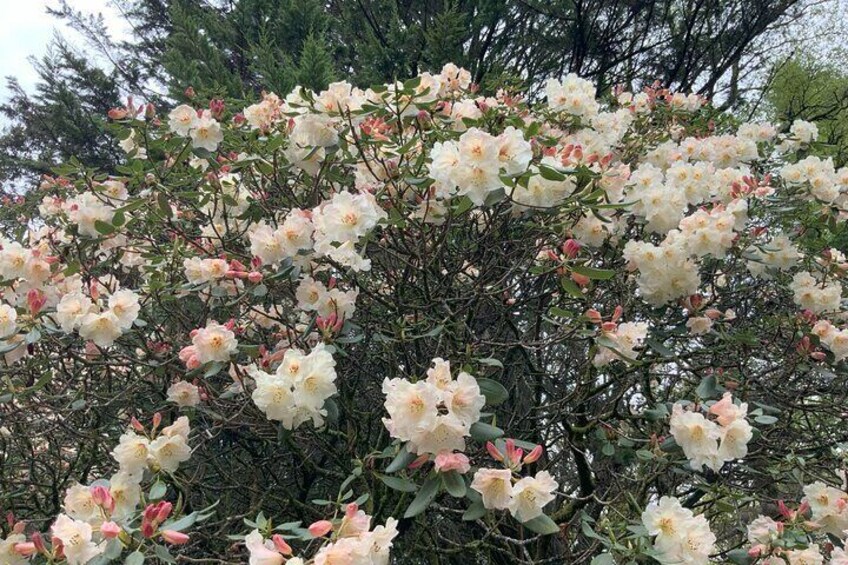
x=483 y=432
x=425 y=496
x=475 y=510
x=708 y=388
x=158 y=490
x=491 y=361
x=571 y=288
x=163 y=554
x=103 y=227
x=454 y=484
x=765 y=420
x=549 y=173
x=593 y=273
x=397 y=483
x=603 y=559
x=659 y=348
x=542 y=525
x=401 y=460
x=134 y=558
x=739 y=556
x=494 y=391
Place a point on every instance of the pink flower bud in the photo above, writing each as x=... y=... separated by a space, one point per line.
x=110 y=530
x=571 y=248
x=534 y=455
x=254 y=277
x=581 y=280
x=281 y=544
x=320 y=528
x=157 y=419
x=38 y=540
x=493 y=451
x=594 y=316
x=446 y=461
x=174 y=538
x=103 y=498
x=164 y=511
x=419 y=461
x=25 y=549
x=137 y=426
x=35 y=300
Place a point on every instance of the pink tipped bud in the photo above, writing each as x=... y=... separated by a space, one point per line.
x=534 y=455
x=320 y=528
x=713 y=314
x=150 y=511
x=418 y=461
x=110 y=530
x=511 y=453
x=580 y=280
x=157 y=419
x=784 y=510
x=147 y=528
x=38 y=541
x=254 y=277
x=174 y=538
x=103 y=498
x=164 y=511
x=609 y=327
x=36 y=301
x=351 y=510
x=616 y=314
x=137 y=426
x=281 y=544
x=26 y=549
x=594 y=316
x=493 y=451
x=571 y=248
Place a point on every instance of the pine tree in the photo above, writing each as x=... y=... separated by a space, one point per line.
x=238 y=48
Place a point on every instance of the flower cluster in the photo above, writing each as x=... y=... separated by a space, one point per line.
x=433 y=415
x=503 y=489
x=297 y=390
x=351 y=540
x=679 y=535
x=712 y=442
x=100 y=517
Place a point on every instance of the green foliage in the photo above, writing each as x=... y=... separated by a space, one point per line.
x=815 y=91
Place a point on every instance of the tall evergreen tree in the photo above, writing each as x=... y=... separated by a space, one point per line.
x=237 y=48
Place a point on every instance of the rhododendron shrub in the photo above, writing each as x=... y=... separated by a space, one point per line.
x=415 y=324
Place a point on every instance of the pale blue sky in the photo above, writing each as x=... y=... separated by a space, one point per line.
x=26 y=30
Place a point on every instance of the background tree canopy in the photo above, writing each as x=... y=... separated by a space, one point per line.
x=237 y=48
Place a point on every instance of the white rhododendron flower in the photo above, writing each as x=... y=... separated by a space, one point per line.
x=530 y=495
x=103 y=328
x=206 y=133
x=434 y=415
x=298 y=390
x=182 y=119
x=183 y=393
x=679 y=535
x=8 y=317
x=215 y=342
x=76 y=537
